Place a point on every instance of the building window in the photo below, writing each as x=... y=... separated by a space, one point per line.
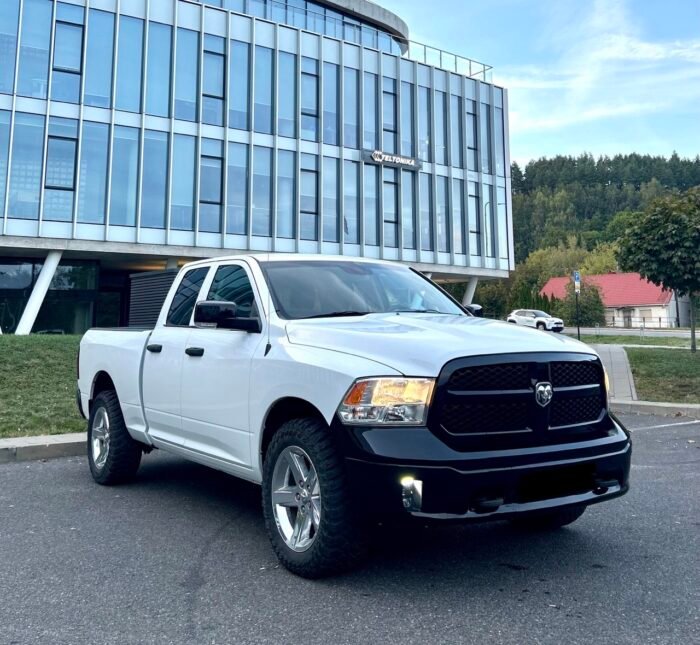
x=4 y=153
x=262 y=115
x=489 y=223
x=183 y=183
x=67 y=53
x=331 y=214
x=390 y=207
x=309 y=99
x=440 y=128
x=213 y=80
x=296 y=13
x=458 y=215
x=330 y=104
x=155 y=179
x=371 y=215
x=262 y=191
x=502 y=229
x=408 y=147
x=352 y=30
x=211 y=165
x=239 y=89
x=351 y=108
x=9 y=23
x=287 y=95
x=94 y=158
x=426 y=212
x=485 y=121
x=237 y=191
x=286 y=194
x=369 y=37
x=389 y=115
x=351 y=202
x=370 y=111
x=471 y=136
x=129 y=62
x=474 y=215
x=125 y=172
x=456 y=147
x=408 y=208
x=308 y=195
x=34 y=49
x=443 y=219
x=25 y=178
x=333 y=24
x=99 y=61
x=500 y=144
x=186 y=74
x=158 y=69
x=424 y=124
x=59 y=182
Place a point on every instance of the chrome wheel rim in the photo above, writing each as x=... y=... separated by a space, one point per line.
x=99 y=438
x=296 y=498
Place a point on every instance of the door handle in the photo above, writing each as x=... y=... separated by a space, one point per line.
x=156 y=349
x=195 y=351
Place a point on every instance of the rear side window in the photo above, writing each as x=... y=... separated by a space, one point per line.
x=231 y=284
x=185 y=297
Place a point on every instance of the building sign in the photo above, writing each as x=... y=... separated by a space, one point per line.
x=385 y=159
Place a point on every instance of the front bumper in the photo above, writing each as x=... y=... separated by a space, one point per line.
x=384 y=464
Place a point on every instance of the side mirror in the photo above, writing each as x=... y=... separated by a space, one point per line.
x=475 y=310
x=224 y=315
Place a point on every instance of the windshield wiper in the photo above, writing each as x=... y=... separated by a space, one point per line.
x=337 y=314
x=421 y=311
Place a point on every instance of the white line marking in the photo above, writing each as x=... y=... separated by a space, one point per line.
x=667 y=425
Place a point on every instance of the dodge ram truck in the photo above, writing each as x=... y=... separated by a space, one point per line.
x=353 y=391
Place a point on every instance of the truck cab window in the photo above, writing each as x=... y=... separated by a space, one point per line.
x=231 y=284
x=185 y=297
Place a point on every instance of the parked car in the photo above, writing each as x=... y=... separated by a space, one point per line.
x=535 y=318
x=352 y=390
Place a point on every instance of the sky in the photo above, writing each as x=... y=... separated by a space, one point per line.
x=597 y=76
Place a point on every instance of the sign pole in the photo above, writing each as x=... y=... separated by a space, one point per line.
x=577 y=290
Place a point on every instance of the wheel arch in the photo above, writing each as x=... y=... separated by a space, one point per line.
x=283 y=410
x=101 y=383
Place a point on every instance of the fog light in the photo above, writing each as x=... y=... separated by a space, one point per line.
x=411 y=493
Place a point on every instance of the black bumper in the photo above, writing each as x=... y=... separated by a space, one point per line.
x=480 y=485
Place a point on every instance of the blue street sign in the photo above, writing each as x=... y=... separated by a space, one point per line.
x=577 y=276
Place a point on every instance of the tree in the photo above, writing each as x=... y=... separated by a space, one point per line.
x=602 y=259
x=663 y=245
x=591 y=307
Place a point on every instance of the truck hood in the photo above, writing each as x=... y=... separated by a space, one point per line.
x=420 y=344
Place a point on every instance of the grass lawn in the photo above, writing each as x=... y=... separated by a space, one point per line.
x=37 y=385
x=592 y=339
x=662 y=375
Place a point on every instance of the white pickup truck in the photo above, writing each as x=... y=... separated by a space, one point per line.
x=352 y=390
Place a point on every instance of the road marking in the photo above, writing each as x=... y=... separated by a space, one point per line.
x=667 y=425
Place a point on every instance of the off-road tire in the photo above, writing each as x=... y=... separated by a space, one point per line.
x=341 y=541
x=124 y=455
x=548 y=520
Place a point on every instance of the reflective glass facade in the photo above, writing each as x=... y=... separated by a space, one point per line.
x=245 y=125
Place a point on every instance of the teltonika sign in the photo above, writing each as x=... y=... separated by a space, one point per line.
x=384 y=159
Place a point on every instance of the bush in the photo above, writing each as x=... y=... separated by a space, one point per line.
x=592 y=309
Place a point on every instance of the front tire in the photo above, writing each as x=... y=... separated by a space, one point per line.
x=541 y=326
x=113 y=455
x=310 y=518
x=548 y=520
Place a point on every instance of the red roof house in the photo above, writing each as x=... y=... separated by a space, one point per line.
x=629 y=299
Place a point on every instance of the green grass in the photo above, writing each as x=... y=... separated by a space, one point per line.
x=37 y=385
x=592 y=339
x=660 y=375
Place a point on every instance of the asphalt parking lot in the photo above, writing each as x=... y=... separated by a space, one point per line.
x=181 y=556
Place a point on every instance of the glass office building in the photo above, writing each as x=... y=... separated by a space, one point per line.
x=138 y=134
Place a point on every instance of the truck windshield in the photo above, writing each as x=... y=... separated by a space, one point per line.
x=321 y=288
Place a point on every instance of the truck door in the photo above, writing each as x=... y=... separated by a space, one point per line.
x=216 y=374
x=164 y=356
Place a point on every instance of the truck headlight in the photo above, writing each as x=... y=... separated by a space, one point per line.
x=391 y=401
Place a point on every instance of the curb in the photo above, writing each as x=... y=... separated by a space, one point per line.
x=691 y=410
x=43 y=447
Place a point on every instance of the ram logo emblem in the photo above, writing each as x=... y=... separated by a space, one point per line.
x=543 y=394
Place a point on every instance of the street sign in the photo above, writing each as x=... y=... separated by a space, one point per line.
x=577 y=281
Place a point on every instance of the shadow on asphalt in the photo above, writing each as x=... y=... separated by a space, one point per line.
x=408 y=556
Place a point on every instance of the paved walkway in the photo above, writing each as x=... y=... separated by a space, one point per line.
x=615 y=360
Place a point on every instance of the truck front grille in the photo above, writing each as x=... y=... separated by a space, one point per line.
x=490 y=402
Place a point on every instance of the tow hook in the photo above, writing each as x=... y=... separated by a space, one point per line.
x=602 y=486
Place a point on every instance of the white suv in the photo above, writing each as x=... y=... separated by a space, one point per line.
x=536 y=318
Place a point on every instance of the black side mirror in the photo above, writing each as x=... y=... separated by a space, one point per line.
x=224 y=315
x=475 y=310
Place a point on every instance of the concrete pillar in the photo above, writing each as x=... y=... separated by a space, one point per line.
x=170 y=263
x=469 y=291
x=38 y=293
